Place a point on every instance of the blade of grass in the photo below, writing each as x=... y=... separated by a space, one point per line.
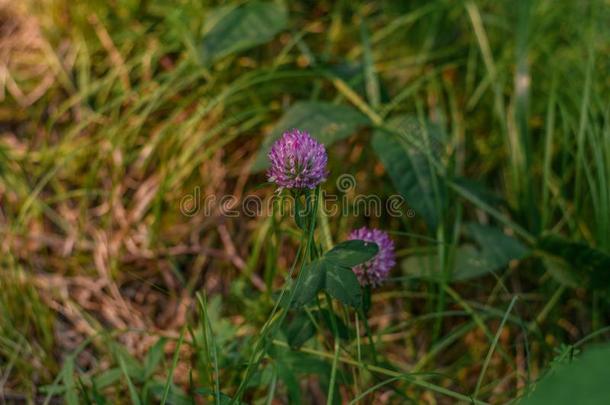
x=391 y=373
x=373 y=389
x=370 y=76
x=170 y=375
x=548 y=155
x=210 y=343
x=133 y=393
x=492 y=348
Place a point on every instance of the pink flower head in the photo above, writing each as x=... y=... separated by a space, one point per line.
x=297 y=161
x=376 y=270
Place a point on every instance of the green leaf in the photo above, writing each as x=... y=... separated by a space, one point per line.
x=262 y=377
x=97 y=397
x=584 y=381
x=153 y=357
x=299 y=362
x=366 y=299
x=133 y=393
x=309 y=282
x=170 y=374
x=333 y=272
x=351 y=253
x=132 y=367
x=562 y=272
x=107 y=378
x=299 y=330
x=241 y=28
x=286 y=375
x=83 y=390
x=479 y=191
x=497 y=247
x=344 y=331
x=67 y=372
x=575 y=263
x=496 y=250
x=175 y=396
x=342 y=284
x=469 y=263
x=409 y=168
x=326 y=122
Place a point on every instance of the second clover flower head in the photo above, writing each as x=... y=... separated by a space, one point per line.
x=297 y=161
x=376 y=270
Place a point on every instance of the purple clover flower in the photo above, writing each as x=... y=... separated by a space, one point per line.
x=297 y=161
x=376 y=270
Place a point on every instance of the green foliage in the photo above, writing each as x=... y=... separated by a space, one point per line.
x=497 y=248
x=310 y=282
x=583 y=381
x=154 y=357
x=576 y=263
x=242 y=27
x=293 y=364
x=139 y=378
x=351 y=253
x=299 y=330
x=133 y=393
x=332 y=272
x=495 y=251
x=407 y=156
x=342 y=284
x=70 y=388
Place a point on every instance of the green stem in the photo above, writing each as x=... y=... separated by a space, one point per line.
x=369 y=334
x=275 y=319
x=333 y=373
